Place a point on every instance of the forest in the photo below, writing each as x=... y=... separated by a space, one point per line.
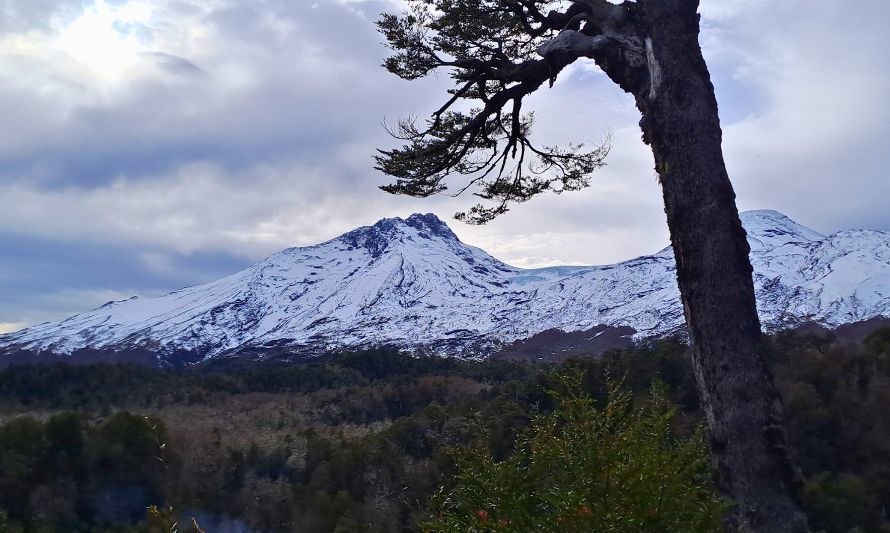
x=371 y=440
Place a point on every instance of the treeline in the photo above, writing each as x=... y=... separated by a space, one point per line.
x=360 y=441
x=65 y=474
x=100 y=386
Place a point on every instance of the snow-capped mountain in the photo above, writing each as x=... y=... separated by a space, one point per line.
x=412 y=283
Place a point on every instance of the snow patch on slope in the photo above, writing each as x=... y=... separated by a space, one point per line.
x=412 y=283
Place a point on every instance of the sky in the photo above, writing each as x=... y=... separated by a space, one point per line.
x=147 y=145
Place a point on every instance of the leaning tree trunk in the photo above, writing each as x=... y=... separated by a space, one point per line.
x=650 y=49
x=743 y=408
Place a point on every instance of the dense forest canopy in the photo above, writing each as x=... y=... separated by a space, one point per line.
x=361 y=441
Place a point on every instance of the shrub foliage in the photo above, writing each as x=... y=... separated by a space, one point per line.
x=583 y=468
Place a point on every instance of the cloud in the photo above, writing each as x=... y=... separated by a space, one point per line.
x=22 y=16
x=9 y=327
x=44 y=279
x=221 y=131
x=174 y=64
x=272 y=88
x=814 y=144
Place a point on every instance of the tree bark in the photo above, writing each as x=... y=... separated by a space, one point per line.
x=650 y=49
x=743 y=409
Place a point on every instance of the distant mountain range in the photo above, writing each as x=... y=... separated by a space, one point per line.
x=413 y=284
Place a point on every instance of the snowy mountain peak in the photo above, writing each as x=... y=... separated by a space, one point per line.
x=768 y=229
x=412 y=283
x=432 y=224
x=385 y=232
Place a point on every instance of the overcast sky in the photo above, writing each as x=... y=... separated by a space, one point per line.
x=146 y=145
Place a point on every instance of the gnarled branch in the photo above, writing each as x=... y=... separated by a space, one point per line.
x=498 y=52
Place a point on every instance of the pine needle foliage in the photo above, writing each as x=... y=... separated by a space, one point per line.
x=491 y=51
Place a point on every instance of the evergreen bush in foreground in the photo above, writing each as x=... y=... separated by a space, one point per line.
x=584 y=468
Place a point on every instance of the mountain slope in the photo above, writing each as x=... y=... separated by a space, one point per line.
x=414 y=284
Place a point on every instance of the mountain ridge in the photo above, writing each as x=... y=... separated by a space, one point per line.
x=412 y=283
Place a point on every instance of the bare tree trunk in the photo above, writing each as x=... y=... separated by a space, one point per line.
x=743 y=408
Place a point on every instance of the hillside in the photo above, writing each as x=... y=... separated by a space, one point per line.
x=413 y=284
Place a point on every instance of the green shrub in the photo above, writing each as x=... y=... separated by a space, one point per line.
x=583 y=468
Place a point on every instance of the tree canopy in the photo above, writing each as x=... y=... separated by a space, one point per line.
x=583 y=468
x=497 y=52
